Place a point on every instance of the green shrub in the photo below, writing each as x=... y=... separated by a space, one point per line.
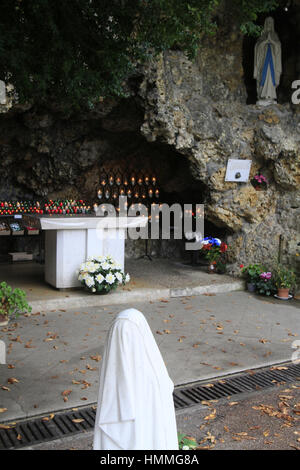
x=13 y=302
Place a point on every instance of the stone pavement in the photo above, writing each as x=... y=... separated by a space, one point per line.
x=150 y=280
x=55 y=355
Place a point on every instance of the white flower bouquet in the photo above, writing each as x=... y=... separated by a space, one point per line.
x=101 y=274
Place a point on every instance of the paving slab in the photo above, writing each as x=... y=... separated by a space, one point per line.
x=200 y=337
x=150 y=280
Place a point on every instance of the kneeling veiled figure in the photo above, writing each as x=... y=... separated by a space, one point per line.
x=135 y=404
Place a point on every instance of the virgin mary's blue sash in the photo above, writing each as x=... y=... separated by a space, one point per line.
x=268 y=62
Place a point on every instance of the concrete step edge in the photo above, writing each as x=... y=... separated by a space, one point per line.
x=208 y=289
x=138 y=295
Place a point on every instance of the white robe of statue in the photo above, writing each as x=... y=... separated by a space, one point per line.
x=266 y=85
x=135 y=403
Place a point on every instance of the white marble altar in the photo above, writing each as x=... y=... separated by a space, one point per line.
x=69 y=241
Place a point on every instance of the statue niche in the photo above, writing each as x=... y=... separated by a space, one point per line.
x=267 y=64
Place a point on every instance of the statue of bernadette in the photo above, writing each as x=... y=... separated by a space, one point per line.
x=267 y=64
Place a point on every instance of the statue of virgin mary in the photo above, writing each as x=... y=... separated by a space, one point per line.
x=267 y=64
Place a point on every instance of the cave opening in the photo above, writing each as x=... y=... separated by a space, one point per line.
x=78 y=151
x=286 y=20
x=175 y=183
x=132 y=175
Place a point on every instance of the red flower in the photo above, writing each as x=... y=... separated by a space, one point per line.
x=241 y=265
x=206 y=247
x=223 y=247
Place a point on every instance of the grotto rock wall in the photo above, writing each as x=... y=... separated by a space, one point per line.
x=200 y=110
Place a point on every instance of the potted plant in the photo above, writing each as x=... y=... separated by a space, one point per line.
x=101 y=274
x=252 y=273
x=13 y=302
x=259 y=182
x=214 y=251
x=265 y=284
x=285 y=279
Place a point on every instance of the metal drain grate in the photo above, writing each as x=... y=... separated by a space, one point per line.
x=34 y=431
x=31 y=432
x=185 y=397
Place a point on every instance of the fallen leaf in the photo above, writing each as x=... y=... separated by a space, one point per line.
x=48 y=418
x=78 y=420
x=17 y=339
x=6 y=426
x=96 y=358
x=12 y=380
x=85 y=384
x=211 y=415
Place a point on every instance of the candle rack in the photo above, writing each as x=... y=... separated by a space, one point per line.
x=138 y=186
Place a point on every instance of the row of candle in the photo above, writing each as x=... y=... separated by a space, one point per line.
x=66 y=206
x=20 y=207
x=60 y=206
x=114 y=194
x=104 y=180
x=139 y=207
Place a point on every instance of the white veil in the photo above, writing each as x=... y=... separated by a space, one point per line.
x=135 y=405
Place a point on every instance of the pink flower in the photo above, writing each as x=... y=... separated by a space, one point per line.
x=266 y=276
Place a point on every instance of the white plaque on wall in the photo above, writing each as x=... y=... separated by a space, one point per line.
x=238 y=170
